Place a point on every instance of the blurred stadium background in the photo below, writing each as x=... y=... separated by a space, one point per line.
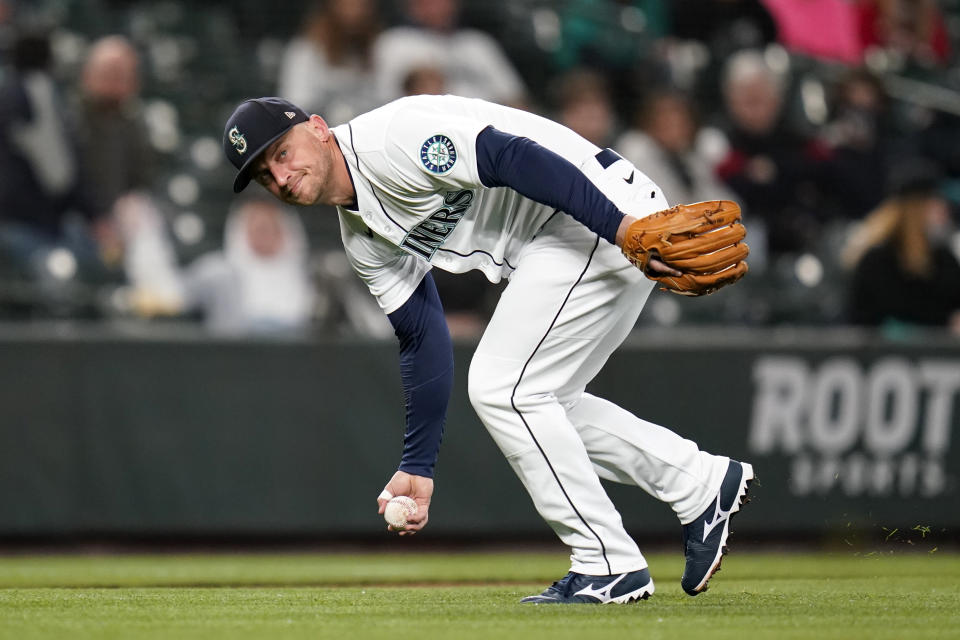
x=178 y=364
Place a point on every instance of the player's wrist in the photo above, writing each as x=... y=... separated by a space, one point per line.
x=622 y=229
x=417 y=470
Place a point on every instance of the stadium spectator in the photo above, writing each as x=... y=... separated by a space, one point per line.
x=328 y=67
x=584 y=105
x=914 y=30
x=663 y=146
x=116 y=159
x=904 y=270
x=773 y=170
x=845 y=30
x=472 y=62
x=260 y=283
x=424 y=81
x=113 y=141
x=724 y=27
x=43 y=210
x=149 y=256
x=860 y=139
x=620 y=38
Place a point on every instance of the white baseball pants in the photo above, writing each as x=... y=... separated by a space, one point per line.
x=571 y=301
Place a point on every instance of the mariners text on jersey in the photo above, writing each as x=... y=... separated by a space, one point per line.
x=425 y=238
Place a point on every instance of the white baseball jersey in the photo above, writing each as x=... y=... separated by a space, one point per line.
x=421 y=202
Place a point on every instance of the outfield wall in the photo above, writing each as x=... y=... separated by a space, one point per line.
x=169 y=433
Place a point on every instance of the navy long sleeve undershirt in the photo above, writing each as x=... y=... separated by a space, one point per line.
x=505 y=160
x=426 y=372
x=426 y=353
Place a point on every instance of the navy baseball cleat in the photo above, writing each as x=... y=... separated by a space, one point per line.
x=577 y=587
x=705 y=539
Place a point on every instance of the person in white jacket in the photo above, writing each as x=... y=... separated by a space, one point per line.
x=472 y=62
x=259 y=283
x=666 y=146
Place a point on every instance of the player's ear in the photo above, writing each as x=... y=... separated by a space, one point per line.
x=318 y=126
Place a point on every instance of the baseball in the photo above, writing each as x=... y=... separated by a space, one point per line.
x=398 y=510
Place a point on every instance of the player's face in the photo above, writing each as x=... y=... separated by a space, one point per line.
x=296 y=168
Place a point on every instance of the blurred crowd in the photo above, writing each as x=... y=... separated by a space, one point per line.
x=834 y=123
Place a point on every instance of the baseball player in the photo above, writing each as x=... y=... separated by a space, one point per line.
x=460 y=184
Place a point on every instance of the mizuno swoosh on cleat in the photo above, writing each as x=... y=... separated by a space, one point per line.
x=579 y=588
x=705 y=539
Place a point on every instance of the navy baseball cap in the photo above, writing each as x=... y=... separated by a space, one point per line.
x=254 y=126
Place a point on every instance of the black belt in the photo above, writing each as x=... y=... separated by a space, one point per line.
x=607 y=157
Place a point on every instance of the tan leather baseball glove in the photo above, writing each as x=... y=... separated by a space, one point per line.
x=704 y=241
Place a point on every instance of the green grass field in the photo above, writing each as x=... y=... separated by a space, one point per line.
x=468 y=595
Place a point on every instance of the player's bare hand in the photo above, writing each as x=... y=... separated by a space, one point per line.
x=662 y=268
x=419 y=488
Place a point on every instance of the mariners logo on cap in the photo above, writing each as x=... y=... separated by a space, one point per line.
x=237 y=140
x=438 y=154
